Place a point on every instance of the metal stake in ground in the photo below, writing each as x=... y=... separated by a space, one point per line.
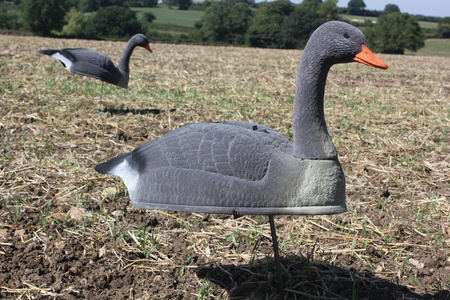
x=277 y=257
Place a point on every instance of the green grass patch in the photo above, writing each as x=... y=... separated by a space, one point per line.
x=167 y=16
x=428 y=25
x=435 y=47
x=171 y=28
x=357 y=18
x=361 y=19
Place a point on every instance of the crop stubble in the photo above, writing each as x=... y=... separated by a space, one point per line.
x=68 y=232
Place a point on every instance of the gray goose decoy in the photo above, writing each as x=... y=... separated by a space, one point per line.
x=242 y=168
x=97 y=65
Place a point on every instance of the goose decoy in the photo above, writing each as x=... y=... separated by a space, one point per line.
x=97 y=65
x=242 y=168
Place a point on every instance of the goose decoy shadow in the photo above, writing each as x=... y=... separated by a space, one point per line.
x=243 y=168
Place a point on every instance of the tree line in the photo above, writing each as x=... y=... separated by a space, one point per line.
x=278 y=24
x=282 y=24
x=74 y=18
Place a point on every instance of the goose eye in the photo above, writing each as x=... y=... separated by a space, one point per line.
x=346 y=35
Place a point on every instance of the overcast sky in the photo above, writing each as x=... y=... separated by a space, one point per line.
x=436 y=8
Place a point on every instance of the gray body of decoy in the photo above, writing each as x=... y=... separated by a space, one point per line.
x=228 y=167
x=241 y=168
x=97 y=65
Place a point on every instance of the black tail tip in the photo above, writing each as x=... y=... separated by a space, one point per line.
x=102 y=168
x=47 y=51
x=106 y=167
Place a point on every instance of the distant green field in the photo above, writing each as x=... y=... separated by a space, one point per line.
x=179 y=21
x=357 y=18
x=428 y=25
x=434 y=47
x=166 y=16
x=424 y=25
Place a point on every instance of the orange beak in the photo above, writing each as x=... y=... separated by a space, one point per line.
x=367 y=57
x=148 y=48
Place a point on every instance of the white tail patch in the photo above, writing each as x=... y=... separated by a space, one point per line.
x=67 y=62
x=129 y=175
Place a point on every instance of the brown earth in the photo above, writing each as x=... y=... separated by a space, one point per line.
x=67 y=232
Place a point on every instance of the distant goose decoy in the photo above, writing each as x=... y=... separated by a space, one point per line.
x=241 y=168
x=97 y=65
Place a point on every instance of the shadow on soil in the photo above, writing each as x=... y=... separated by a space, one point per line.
x=305 y=279
x=134 y=111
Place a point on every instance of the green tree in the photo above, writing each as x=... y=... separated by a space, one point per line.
x=184 y=4
x=148 y=17
x=226 y=21
x=277 y=10
x=391 y=8
x=43 y=16
x=10 y=16
x=113 y=21
x=94 y=5
x=444 y=28
x=305 y=19
x=395 y=32
x=3 y=17
x=356 y=7
x=149 y=3
x=280 y=24
x=264 y=33
x=143 y=3
x=329 y=10
x=75 y=24
x=265 y=28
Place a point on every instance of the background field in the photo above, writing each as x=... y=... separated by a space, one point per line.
x=171 y=20
x=164 y=15
x=67 y=232
x=435 y=47
x=423 y=24
x=174 y=21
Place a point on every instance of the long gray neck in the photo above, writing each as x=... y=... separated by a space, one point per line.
x=124 y=62
x=311 y=138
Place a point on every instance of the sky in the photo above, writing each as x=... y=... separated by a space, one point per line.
x=434 y=8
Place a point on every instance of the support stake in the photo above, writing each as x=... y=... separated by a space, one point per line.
x=277 y=257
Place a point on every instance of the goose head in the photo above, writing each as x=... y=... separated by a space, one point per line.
x=332 y=43
x=141 y=41
x=338 y=42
